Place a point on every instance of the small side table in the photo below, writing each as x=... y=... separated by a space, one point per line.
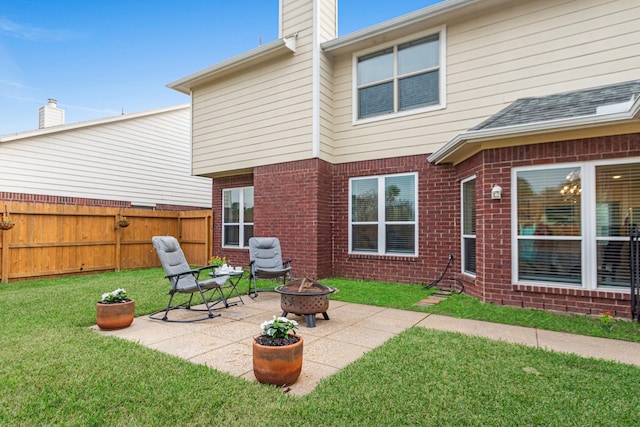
x=231 y=284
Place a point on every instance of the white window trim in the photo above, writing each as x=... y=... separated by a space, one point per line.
x=588 y=238
x=241 y=222
x=462 y=235
x=381 y=214
x=442 y=34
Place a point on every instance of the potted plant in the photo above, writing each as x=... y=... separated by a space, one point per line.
x=115 y=310
x=277 y=353
x=123 y=222
x=217 y=261
x=6 y=223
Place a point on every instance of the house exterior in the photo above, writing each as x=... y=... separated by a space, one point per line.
x=140 y=160
x=502 y=132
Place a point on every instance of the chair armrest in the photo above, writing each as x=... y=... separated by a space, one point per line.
x=169 y=276
x=287 y=262
x=206 y=267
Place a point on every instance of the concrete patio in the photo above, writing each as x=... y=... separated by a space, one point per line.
x=224 y=343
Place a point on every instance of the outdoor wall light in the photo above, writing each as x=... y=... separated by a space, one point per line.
x=496 y=192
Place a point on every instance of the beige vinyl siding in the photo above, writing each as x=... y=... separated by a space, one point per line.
x=531 y=48
x=296 y=15
x=145 y=160
x=262 y=115
x=326 y=110
x=328 y=31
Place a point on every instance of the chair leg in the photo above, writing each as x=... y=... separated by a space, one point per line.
x=255 y=287
x=186 y=306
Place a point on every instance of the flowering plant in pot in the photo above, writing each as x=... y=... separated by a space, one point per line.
x=218 y=261
x=115 y=310
x=123 y=222
x=277 y=352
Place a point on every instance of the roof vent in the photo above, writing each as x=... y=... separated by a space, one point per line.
x=621 y=107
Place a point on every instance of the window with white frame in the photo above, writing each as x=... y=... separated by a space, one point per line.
x=572 y=221
x=237 y=217
x=407 y=77
x=383 y=214
x=469 y=225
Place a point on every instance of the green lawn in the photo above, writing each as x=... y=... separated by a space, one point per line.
x=56 y=371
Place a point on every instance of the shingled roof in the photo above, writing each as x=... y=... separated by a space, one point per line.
x=617 y=103
x=565 y=105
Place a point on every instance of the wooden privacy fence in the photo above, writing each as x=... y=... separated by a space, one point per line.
x=54 y=240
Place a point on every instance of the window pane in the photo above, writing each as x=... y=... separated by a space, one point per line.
x=231 y=235
x=469 y=254
x=550 y=261
x=365 y=238
x=469 y=206
x=231 y=206
x=248 y=205
x=399 y=198
x=418 y=55
x=248 y=233
x=375 y=67
x=400 y=239
x=469 y=226
x=548 y=207
x=374 y=100
x=418 y=91
x=549 y=202
x=617 y=207
x=364 y=200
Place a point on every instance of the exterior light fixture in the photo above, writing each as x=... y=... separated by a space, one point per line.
x=496 y=192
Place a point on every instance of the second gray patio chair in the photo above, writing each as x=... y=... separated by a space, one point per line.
x=185 y=280
x=266 y=262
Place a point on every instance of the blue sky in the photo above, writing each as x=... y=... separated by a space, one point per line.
x=100 y=58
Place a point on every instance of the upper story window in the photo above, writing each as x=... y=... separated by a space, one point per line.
x=406 y=78
x=237 y=217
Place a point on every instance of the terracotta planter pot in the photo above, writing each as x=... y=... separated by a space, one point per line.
x=114 y=316
x=277 y=365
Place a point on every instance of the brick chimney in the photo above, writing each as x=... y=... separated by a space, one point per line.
x=50 y=115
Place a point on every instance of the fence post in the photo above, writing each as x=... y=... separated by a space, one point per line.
x=5 y=256
x=118 y=232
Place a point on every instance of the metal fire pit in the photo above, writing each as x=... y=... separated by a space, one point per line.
x=305 y=297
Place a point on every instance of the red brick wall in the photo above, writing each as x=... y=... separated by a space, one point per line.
x=292 y=201
x=62 y=200
x=81 y=201
x=438 y=223
x=305 y=204
x=493 y=282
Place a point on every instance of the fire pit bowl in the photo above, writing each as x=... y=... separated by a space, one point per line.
x=305 y=297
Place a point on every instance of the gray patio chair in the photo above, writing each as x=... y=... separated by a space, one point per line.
x=185 y=280
x=265 y=258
